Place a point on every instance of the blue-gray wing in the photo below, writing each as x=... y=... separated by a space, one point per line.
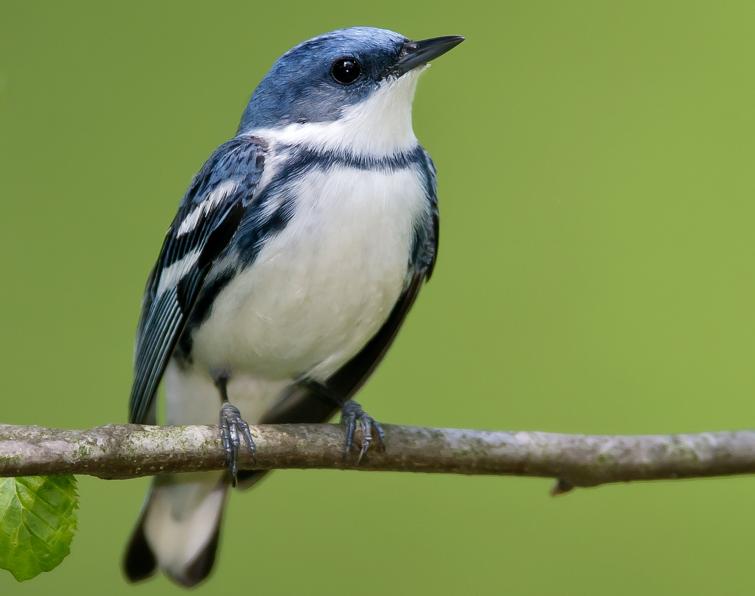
x=207 y=219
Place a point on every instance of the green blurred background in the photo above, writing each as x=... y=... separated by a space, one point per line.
x=596 y=274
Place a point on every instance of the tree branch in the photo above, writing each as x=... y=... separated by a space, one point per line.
x=129 y=451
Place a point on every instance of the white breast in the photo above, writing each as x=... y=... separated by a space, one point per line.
x=321 y=288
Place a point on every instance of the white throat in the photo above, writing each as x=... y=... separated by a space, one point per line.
x=380 y=126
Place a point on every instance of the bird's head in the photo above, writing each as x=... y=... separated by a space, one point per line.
x=350 y=89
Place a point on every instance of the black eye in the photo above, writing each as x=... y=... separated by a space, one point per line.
x=346 y=70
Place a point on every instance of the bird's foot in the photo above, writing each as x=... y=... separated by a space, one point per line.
x=352 y=415
x=234 y=429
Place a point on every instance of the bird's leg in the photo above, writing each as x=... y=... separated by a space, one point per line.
x=232 y=429
x=352 y=416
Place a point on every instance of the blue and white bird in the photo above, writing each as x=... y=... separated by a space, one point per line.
x=294 y=258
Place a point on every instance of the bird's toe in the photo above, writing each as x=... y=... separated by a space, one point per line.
x=233 y=430
x=353 y=417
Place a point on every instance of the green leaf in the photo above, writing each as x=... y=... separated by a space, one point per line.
x=37 y=523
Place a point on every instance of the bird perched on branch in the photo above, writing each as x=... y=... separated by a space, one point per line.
x=294 y=258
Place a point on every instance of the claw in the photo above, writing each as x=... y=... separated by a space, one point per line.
x=232 y=429
x=247 y=435
x=366 y=423
x=352 y=415
x=350 y=422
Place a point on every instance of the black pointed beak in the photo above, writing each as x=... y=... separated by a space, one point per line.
x=418 y=53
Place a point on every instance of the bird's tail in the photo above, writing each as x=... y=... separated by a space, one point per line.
x=179 y=528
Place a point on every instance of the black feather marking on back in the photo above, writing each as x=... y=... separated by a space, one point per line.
x=221 y=236
x=273 y=210
x=202 y=310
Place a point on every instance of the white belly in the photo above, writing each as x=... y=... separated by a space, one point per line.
x=321 y=288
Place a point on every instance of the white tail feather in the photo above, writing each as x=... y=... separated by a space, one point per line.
x=182 y=516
